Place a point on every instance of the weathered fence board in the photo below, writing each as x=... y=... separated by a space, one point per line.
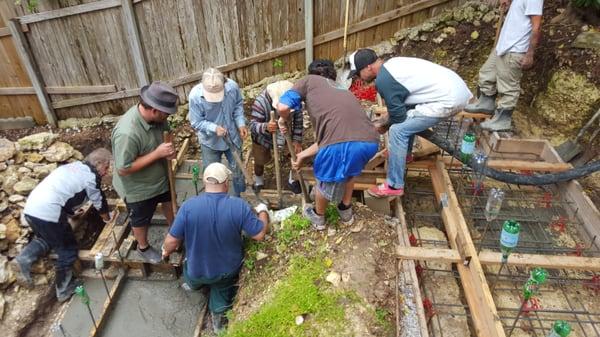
x=92 y=44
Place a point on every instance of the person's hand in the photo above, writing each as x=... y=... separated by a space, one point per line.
x=221 y=131
x=282 y=125
x=165 y=150
x=164 y=254
x=527 y=61
x=297 y=164
x=261 y=208
x=79 y=212
x=504 y=3
x=243 y=132
x=107 y=217
x=272 y=127
x=297 y=147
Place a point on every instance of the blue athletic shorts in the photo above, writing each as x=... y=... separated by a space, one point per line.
x=342 y=161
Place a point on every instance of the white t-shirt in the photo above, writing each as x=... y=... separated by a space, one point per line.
x=516 y=31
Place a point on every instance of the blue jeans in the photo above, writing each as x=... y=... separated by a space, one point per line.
x=52 y=235
x=401 y=137
x=210 y=156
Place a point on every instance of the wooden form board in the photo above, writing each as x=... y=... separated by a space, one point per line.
x=486 y=321
x=494 y=258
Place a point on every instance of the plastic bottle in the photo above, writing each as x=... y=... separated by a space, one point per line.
x=478 y=177
x=509 y=237
x=538 y=275
x=560 y=329
x=494 y=203
x=467 y=147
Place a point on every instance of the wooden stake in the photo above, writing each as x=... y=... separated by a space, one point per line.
x=167 y=138
x=276 y=159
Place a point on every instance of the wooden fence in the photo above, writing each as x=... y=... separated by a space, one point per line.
x=82 y=58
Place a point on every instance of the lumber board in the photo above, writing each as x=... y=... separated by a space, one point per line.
x=135 y=45
x=378 y=159
x=200 y=321
x=109 y=303
x=582 y=208
x=70 y=90
x=176 y=163
x=518 y=146
x=27 y=59
x=409 y=266
x=67 y=11
x=494 y=258
x=5 y=31
x=481 y=304
x=65 y=103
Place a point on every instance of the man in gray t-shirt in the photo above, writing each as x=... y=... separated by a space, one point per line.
x=513 y=53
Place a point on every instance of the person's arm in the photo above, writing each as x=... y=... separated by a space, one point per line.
x=164 y=150
x=94 y=193
x=197 y=116
x=536 y=34
x=259 y=117
x=238 y=111
x=255 y=226
x=297 y=127
x=170 y=245
x=311 y=151
x=263 y=216
x=394 y=94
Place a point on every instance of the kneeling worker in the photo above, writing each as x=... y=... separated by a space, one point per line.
x=211 y=225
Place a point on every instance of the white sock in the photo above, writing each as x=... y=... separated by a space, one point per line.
x=291 y=178
x=258 y=180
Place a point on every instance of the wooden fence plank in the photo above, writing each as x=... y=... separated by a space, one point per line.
x=135 y=45
x=67 y=11
x=72 y=90
x=32 y=70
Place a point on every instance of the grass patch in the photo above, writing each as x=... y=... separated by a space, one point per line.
x=251 y=247
x=332 y=215
x=300 y=292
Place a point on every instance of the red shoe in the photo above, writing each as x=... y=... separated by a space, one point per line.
x=383 y=190
x=410 y=159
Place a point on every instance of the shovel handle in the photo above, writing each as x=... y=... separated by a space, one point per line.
x=167 y=138
x=276 y=160
x=288 y=140
x=587 y=125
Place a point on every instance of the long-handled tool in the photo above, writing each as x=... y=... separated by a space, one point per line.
x=569 y=149
x=500 y=22
x=239 y=162
x=288 y=140
x=167 y=138
x=276 y=160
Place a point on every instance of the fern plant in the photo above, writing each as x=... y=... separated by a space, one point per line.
x=586 y=4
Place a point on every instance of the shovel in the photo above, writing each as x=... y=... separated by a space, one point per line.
x=239 y=162
x=277 y=169
x=288 y=140
x=569 y=149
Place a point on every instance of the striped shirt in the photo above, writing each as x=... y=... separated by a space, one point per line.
x=261 y=109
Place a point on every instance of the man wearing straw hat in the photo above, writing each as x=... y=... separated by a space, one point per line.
x=140 y=175
x=262 y=128
x=217 y=112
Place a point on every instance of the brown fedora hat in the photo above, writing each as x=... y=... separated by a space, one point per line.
x=160 y=96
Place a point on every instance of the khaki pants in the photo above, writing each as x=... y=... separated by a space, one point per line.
x=262 y=156
x=502 y=75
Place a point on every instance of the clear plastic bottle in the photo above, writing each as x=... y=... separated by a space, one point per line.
x=480 y=161
x=494 y=204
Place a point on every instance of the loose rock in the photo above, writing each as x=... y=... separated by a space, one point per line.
x=16 y=198
x=58 y=152
x=38 y=141
x=334 y=278
x=7 y=149
x=25 y=186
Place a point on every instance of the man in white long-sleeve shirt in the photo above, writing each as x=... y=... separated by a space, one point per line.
x=418 y=95
x=49 y=205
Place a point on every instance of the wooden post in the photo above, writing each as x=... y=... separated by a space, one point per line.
x=276 y=160
x=167 y=138
x=28 y=60
x=308 y=31
x=133 y=36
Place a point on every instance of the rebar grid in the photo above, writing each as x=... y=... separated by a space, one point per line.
x=422 y=209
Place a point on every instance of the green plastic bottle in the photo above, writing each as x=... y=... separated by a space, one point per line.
x=538 y=275
x=529 y=289
x=467 y=147
x=560 y=329
x=509 y=237
x=80 y=291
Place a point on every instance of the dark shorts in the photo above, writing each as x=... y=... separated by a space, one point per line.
x=141 y=212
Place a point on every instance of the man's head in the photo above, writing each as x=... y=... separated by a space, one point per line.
x=275 y=90
x=362 y=63
x=159 y=100
x=213 y=83
x=323 y=68
x=216 y=178
x=100 y=159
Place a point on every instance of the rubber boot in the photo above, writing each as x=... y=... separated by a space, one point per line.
x=65 y=284
x=502 y=121
x=21 y=265
x=219 y=322
x=484 y=104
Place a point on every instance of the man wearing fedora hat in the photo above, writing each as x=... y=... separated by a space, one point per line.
x=211 y=226
x=216 y=112
x=140 y=170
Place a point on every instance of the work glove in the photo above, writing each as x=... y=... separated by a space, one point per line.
x=261 y=208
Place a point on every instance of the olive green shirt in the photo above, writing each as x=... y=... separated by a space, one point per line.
x=131 y=138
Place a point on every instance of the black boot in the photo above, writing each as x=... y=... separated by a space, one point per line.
x=21 y=265
x=65 y=284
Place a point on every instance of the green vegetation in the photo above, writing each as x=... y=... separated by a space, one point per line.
x=592 y=4
x=291 y=229
x=382 y=319
x=332 y=216
x=278 y=63
x=302 y=291
x=252 y=247
x=32 y=5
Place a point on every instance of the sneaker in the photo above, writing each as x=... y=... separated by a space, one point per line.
x=384 y=190
x=151 y=255
x=257 y=187
x=318 y=221
x=295 y=187
x=219 y=322
x=346 y=215
x=22 y=273
x=410 y=158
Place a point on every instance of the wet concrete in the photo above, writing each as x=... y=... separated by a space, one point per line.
x=143 y=308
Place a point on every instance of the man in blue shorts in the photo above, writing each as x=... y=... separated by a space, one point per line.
x=345 y=138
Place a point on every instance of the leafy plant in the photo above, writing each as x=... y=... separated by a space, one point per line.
x=586 y=3
x=32 y=5
x=278 y=63
x=332 y=216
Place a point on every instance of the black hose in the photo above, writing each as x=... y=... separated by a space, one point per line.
x=513 y=178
